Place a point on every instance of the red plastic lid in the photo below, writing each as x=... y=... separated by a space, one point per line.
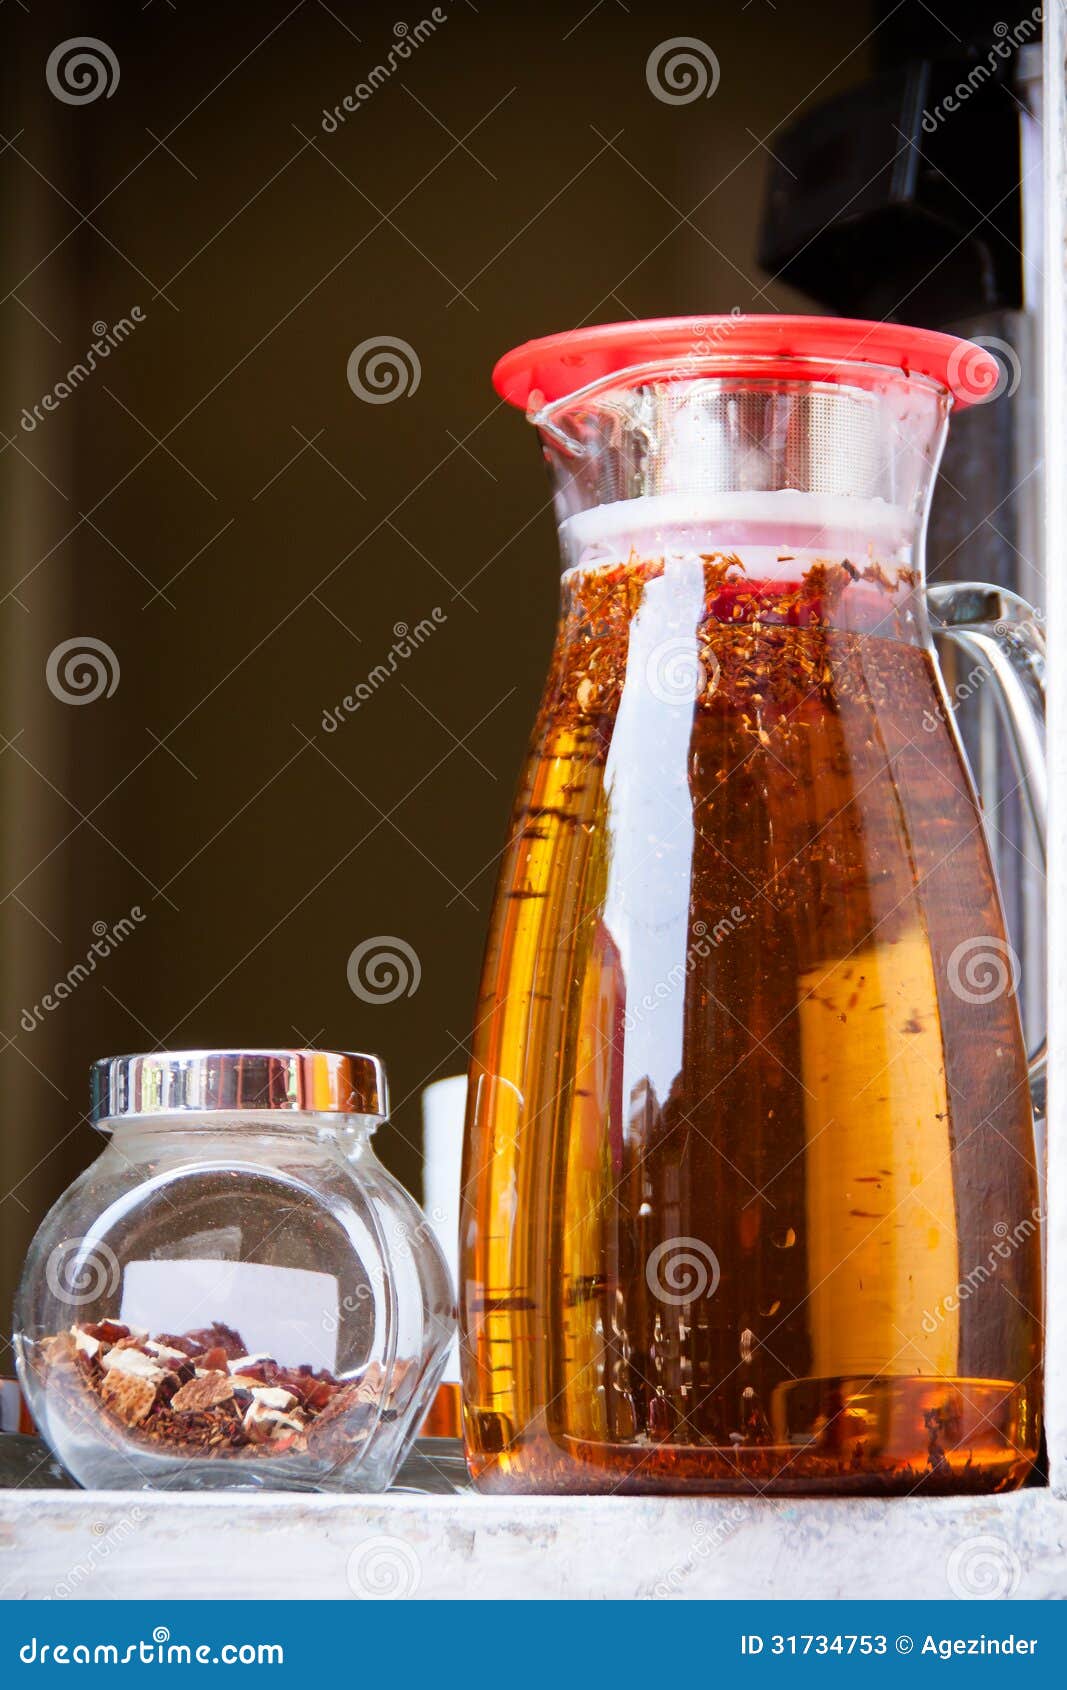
x=807 y=348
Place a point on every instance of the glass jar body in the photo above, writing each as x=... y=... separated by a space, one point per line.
x=189 y=1246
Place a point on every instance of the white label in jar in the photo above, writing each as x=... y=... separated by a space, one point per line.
x=290 y=1314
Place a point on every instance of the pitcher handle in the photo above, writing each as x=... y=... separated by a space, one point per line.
x=1004 y=632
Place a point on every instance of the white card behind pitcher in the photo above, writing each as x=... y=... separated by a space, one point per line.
x=291 y=1314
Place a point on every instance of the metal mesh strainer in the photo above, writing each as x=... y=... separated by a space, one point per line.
x=699 y=437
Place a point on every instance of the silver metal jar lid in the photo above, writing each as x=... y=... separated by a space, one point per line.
x=168 y=1082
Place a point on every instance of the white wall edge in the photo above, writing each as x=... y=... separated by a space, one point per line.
x=1055 y=481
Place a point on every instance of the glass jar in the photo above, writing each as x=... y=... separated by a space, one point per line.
x=235 y=1295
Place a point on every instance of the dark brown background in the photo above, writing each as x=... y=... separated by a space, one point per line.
x=245 y=533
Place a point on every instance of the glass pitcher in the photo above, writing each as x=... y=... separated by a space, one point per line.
x=751 y=1195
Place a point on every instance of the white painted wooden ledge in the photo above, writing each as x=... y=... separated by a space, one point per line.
x=139 y=1545
x=114 y=1544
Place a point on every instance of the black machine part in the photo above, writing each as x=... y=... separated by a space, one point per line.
x=900 y=198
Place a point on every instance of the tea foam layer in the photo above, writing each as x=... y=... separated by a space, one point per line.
x=681 y=524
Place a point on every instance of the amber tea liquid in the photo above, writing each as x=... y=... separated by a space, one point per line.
x=745 y=1203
